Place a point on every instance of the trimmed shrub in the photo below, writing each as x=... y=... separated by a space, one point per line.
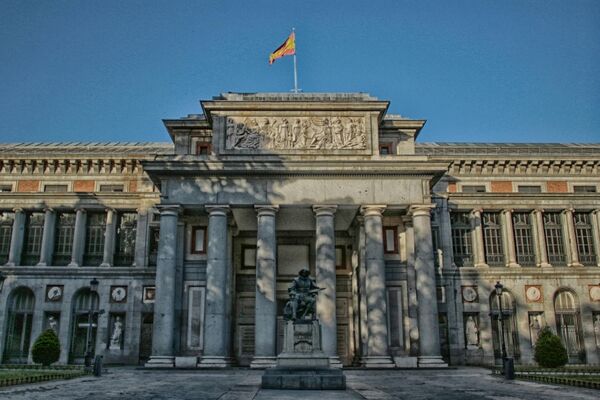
x=549 y=350
x=46 y=349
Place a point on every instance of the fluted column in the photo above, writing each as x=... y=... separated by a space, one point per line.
x=265 y=312
x=478 y=246
x=109 y=238
x=217 y=320
x=78 y=238
x=509 y=239
x=362 y=288
x=48 y=233
x=325 y=268
x=540 y=238
x=16 y=239
x=163 y=331
x=378 y=351
x=573 y=252
x=429 y=330
x=141 y=238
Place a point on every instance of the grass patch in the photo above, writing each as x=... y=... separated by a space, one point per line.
x=10 y=377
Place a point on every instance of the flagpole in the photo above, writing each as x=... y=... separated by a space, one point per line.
x=295 y=66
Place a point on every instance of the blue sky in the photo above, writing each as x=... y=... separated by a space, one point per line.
x=478 y=70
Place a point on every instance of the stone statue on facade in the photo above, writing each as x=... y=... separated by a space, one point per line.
x=597 y=329
x=535 y=327
x=303 y=294
x=472 y=332
x=115 y=338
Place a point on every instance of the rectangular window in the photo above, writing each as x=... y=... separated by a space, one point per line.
x=203 y=149
x=6 y=224
x=153 y=239
x=126 y=233
x=32 y=242
x=111 y=188
x=585 y=241
x=198 y=240
x=195 y=317
x=340 y=258
x=473 y=189
x=523 y=239
x=248 y=257
x=529 y=189
x=94 y=239
x=5 y=188
x=461 y=239
x=584 y=189
x=554 y=238
x=385 y=149
x=395 y=323
x=63 y=242
x=492 y=238
x=56 y=188
x=390 y=239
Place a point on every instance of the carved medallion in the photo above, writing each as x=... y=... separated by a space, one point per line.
x=118 y=294
x=533 y=293
x=54 y=292
x=595 y=292
x=149 y=294
x=469 y=294
x=296 y=133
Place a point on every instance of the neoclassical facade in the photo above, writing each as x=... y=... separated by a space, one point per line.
x=194 y=243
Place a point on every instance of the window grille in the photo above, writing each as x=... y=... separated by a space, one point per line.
x=523 y=239
x=6 y=224
x=153 y=245
x=55 y=188
x=529 y=189
x=32 y=243
x=473 y=189
x=126 y=232
x=111 y=188
x=63 y=244
x=554 y=238
x=584 y=189
x=492 y=238
x=585 y=241
x=461 y=239
x=94 y=239
x=5 y=188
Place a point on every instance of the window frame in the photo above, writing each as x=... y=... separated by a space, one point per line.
x=193 y=249
x=385 y=242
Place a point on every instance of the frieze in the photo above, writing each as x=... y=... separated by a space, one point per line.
x=296 y=133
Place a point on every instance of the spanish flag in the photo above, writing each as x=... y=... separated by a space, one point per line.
x=288 y=48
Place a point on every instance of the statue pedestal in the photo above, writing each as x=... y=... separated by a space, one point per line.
x=302 y=364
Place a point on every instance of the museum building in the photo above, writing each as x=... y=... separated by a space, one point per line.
x=180 y=254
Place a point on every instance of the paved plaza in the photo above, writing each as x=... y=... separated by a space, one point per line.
x=243 y=384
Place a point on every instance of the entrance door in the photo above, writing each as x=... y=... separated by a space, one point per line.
x=146 y=338
x=20 y=317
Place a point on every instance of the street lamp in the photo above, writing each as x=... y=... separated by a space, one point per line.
x=508 y=368
x=91 y=313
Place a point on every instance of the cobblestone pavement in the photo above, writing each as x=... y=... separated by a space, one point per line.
x=243 y=384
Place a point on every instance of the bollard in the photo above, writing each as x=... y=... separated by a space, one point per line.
x=98 y=366
x=509 y=368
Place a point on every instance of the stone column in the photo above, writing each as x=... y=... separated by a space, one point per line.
x=429 y=330
x=16 y=240
x=47 y=237
x=378 y=351
x=141 y=238
x=411 y=287
x=265 y=312
x=163 y=331
x=573 y=252
x=362 y=289
x=478 y=246
x=509 y=239
x=540 y=238
x=109 y=238
x=446 y=236
x=325 y=274
x=216 y=320
x=78 y=238
x=596 y=234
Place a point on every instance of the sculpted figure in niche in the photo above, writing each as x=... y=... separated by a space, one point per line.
x=303 y=293
x=295 y=133
x=283 y=132
x=472 y=332
x=338 y=133
x=115 y=338
x=52 y=323
x=597 y=329
x=535 y=326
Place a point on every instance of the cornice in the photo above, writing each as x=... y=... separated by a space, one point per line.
x=574 y=165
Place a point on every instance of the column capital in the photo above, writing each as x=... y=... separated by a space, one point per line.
x=476 y=211
x=508 y=210
x=407 y=219
x=538 y=210
x=419 y=210
x=568 y=210
x=266 y=209
x=323 y=209
x=110 y=209
x=372 y=210
x=18 y=210
x=49 y=210
x=169 y=209
x=80 y=209
x=214 y=210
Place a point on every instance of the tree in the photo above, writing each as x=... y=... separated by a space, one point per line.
x=46 y=349
x=549 y=350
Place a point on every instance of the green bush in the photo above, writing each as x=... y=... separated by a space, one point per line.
x=549 y=350
x=46 y=349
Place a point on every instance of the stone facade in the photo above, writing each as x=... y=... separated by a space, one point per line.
x=194 y=243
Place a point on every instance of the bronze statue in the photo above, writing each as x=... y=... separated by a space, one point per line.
x=303 y=293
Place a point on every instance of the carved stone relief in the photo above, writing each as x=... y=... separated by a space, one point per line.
x=296 y=133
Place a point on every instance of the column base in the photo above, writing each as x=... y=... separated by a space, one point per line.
x=378 y=362
x=41 y=264
x=405 y=362
x=481 y=265
x=335 y=362
x=263 y=362
x=545 y=265
x=105 y=265
x=575 y=265
x=73 y=264
x=431 y=362
x=160 y=362
x=513 y=265
x=215 y=362
x=10 y=264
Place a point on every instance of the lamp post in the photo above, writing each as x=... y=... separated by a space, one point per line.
x=91 y=313
x=508 y=368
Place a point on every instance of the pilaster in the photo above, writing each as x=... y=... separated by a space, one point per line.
x=16 y=239
x=78 y=238
x=48 y=234
x=109 y=238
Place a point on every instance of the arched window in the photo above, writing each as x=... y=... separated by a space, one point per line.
x=568 y=324
x=510 y=337
x=20 y=317
x=85 y=307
